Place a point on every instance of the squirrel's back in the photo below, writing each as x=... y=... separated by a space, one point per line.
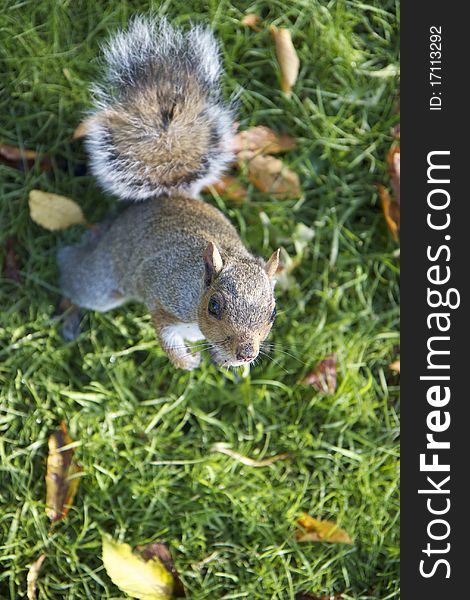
x=160 y=124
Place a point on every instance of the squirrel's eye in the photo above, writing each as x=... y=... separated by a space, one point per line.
x=273 y=315
x=214 y=308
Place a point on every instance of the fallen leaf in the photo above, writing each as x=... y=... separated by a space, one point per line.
x=83 y=128
x=146 y=580
x=231 y=188
x=270 y=175
x=261 y=140
x=11 y=268
x=246 y=460
x=161 y=551
x=323 y=376
x=54 y=212
x=393 y=160
x=61 y=485
x=19 y=158
x=314 y=530
x=391 y=211
x=13 y=153
x=251 y=21
x=32 y=577
x=286 y=57
x=395 y=366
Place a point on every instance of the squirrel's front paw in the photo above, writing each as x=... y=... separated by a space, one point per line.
x=186 y=359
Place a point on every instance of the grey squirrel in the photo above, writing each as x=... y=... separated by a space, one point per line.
x=160 y=132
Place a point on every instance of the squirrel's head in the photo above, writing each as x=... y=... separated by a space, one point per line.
x=237 y=308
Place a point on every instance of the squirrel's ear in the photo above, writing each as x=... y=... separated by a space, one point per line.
x=213 y=262
x=271 y=266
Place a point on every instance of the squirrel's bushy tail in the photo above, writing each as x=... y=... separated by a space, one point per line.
x=160 y=123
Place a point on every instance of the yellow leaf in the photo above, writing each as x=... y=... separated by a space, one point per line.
x=54 y=212
x=286 y=57
x=269 y=174
x=315 y=530
x=395 y=366
x=146 y=580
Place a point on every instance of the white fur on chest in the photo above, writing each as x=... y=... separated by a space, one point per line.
x=174 y=335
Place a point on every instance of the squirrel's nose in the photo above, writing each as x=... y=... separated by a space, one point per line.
x=245 y=352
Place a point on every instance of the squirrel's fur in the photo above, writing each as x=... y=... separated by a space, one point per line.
x=180 y=256
x=160 y=123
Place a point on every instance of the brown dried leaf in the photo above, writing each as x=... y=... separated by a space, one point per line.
x=395 y=366
x=270 y=175
x=393 y=160
x=11 y=268
x=54 y=212
x=323 y=376
x=286 y=57
x=61 y=486
x=160 y=550
x=261 y=140
x=19 y=158
x=83 y=128
x=13 y=153
x=251 y=21
x=314 y=530
x=231 y=188
x=391 y=210
x=32 y=577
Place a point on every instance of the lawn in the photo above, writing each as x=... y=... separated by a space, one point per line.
x=144 y=430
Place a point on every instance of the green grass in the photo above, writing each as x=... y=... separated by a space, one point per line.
x=145 y=430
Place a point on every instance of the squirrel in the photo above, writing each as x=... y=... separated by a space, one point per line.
x=159 y=132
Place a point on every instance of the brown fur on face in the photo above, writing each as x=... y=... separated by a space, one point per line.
x=242 y=290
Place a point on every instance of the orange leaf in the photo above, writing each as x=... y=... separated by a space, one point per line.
x=393 y=160
x=391 y=211
x=314 y=530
